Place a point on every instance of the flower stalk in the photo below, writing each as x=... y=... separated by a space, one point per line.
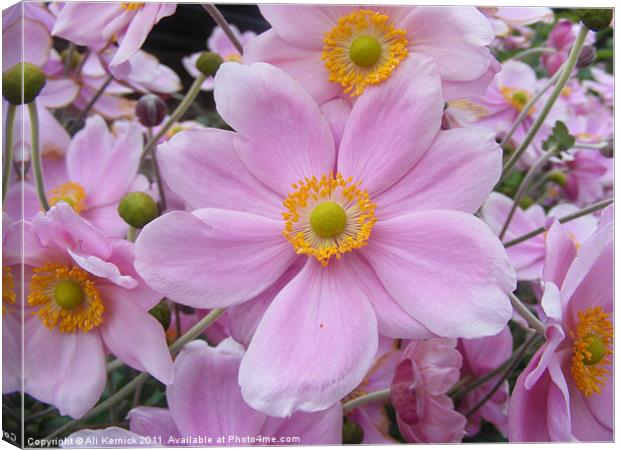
x=524 y=312
x=382 y=394
x=219 y=19
x=35 y=155
x=8 y=149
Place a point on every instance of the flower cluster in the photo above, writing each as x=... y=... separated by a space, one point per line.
x=366 y=224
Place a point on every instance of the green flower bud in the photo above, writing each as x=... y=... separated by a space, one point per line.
x=208 y=63
x=161 y=312
x=526 y=202
x=137 y=209
x=34 y=81
x=596 y=19
x=558 y=177
x=352 y=433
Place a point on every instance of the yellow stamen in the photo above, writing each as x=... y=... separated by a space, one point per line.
x=518 y=98
x=592 y=341
x=233 y=57
x=311 y=195
x=132 y=6
x=363 y=49
x=83 y=315
x=71 y=193
x=8 y=289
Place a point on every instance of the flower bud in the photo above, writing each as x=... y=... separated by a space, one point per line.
x=208 y=63
x=526 y=202
x=596 y=19
x=352 y=433
x=151 y=110
x=558 y=177
x=137 y=209
x=586 y=57
x=161 y=312
x=34 y=81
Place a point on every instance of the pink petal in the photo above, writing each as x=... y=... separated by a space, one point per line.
x=150 y=421
x=82 y=23
x=560 y=253
x=66 y=370
x=137 y=31
x=195 y=259
x=134 y=336
x=402 y=115
x=287 y=136
x=324 y=427
x=475 y=168
x=203 y=168
x=205 y=398
x=446 y=269
x=106 y=219
x=280 y=373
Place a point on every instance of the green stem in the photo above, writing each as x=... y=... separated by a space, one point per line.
x=576 y=215
x=529 y=317
x=566 y=73
x=219 y=19
x=175 y=116
x=533 y=51
x=90 y=105
x=8 y=149
x=132 y=234
x=35 y=155
x=374 y=396
x=524 y=186
x=158 y=177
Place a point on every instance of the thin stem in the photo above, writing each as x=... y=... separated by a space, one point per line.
x=111 y=391
x=175 y=116
x=158 y=177
x=576 y=215
x=35 y=155
x=523 y=187
x=524 y=312
x=531 y=340
x=529 y=105
x=374 y=396
x=69 y=59
x=8 y=149
x=533 y=51
x=177 y=319
x=193 y=333
x=589 y=146
x=41 y=414
x=219 y=19
x=132 y=234
x=90 y=105
x=137 y=395
x=566 y=73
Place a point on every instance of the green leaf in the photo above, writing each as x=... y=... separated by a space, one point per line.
x=560 y=139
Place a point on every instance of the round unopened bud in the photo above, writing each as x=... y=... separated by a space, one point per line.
x=352 y=433
x=137 y=209
x=151 y=110
x=596 y=19
x=558 y=177
x=586 y=57
x=208 y=63
x=161 y=312
x=34 y=81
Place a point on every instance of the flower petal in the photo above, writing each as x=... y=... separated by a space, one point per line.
x=151 y=421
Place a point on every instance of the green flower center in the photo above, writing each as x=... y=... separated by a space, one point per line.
x=520 y=98
x=596 y=347
x=365 y=51
x=68 y=295
x=328 y=219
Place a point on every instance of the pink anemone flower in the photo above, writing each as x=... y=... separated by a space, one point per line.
x=383 y=224
x=206 y=408
x=339 y=50
x=426 y=371
x=11 y=313
x=528 y=257
x=83 y=300
x=561 y=39
x=566 y=391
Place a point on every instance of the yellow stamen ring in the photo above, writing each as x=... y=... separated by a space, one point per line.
x=592 y=340
x=363 y=49
x=71 y=193
x=132 y=6
x=517 y=98
x=67 y=298
x=328 y=217
x=8 y=289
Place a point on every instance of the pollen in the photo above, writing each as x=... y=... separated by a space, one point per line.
x=132 y=6
x=517 y=98
x=592 y=340
x=328 y=216
x=71 y=193
x=8 y=289
x=66 y=297
x=363 y=49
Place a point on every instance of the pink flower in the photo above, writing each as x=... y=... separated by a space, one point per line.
x=98 y=170
x=590 y=175
x=97 y=24
x=427 y=370
x=400 y=254
x=566 y=390
x=528 y=257
x=603 y=85
x=83 y=300
x=504 y=19
x=561 y=38
x=205 y=402
x=11 y=313
x=314 y=45
x=481 y=356
x=219 y=43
